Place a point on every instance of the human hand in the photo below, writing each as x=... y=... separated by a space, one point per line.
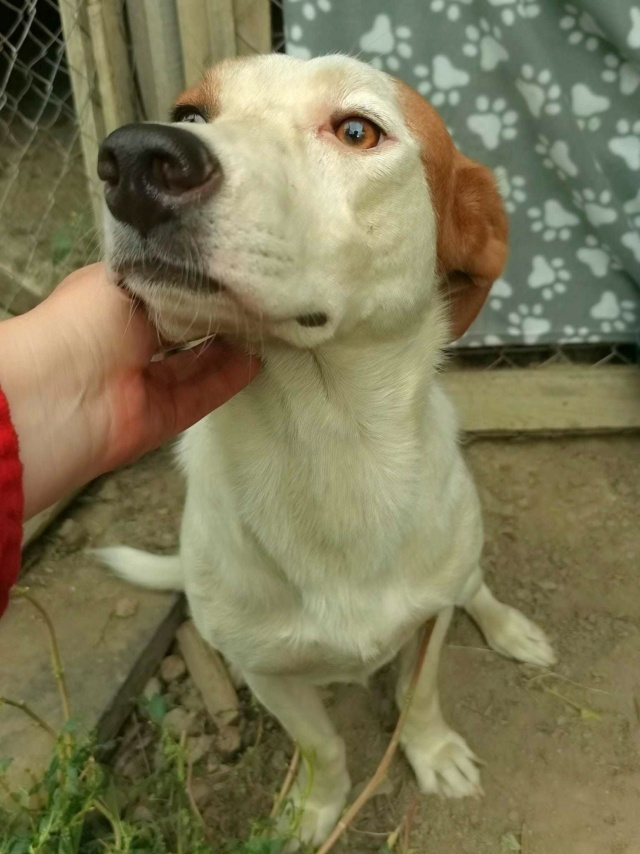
x=85 y=396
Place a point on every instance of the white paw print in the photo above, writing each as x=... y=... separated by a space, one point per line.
x=627 y=143
x=550 y=277
x=556 y=156
x=577 y=335
x=632 y=210
x=484 y=41
x=552 y=220
x=511 y=188
x=621 y=72
x=500 y=291
x=390 y=45
x=596 y=206
x=309 y=10
x=509 y=8
x=541 y=95
x=527 y=323
x=442 y=82
x=452 y=8
x=581 y=27
x=612 y=313
x=294 y=48
x=586 y=106
x=597 y=257
x=493 y=122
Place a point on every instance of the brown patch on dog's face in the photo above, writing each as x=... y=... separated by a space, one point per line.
x=472 y=225
x=205 y=96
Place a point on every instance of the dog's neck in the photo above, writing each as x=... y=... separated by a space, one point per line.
x=363 y=384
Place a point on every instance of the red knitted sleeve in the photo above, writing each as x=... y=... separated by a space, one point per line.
x=11 y=505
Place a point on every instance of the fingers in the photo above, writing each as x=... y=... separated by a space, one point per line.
x=190 y=385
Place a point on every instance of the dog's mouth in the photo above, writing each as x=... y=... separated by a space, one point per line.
x=176 y=276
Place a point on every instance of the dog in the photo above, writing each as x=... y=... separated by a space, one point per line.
x=319 y=212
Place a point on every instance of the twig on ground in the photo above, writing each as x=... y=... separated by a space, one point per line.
x=288 y=781
x=385 y=762
x=24 y=707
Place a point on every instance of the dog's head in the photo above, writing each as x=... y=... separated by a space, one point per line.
x=299 y=201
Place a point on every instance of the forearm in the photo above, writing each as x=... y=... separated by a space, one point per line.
x=47 y=402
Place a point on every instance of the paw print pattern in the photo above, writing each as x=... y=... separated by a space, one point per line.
x=528 y=324
x=511 y=188
x=309 y=10
x=484 y=41
x=581 y=27
x=550 y=277
x=541 y=95
x=442 y=83
x=493 y=122
x=597 y=257
x=621 y=72
x=596 y=206
x=612 y=313
x=552 y=221
x=557 y=156
x=511 y=9
x=586 y=106
x=577 y=335
x=390 y=45
x=632 y=210
x=294 y=48
x=452 y=8
x=627 y=143
x=500 y=291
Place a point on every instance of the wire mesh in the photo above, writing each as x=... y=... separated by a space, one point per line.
x=46 y=220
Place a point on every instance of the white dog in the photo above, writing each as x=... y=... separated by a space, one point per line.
x=320 y=211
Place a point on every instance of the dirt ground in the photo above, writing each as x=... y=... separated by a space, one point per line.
x=562 y=773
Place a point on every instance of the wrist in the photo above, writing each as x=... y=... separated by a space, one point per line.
x=47 y=385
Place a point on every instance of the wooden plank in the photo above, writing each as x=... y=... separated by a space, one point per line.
x=157 y=54
x=82 y=73
x=207 y=34
x=547 y=400
x=222 y=29
x=107 y=659
x=253 y=26
x=114 y=73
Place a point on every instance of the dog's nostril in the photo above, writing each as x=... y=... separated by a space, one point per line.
x=108 y=168
x=173 y=177
x=318 y=318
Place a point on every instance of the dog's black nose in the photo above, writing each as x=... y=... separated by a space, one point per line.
x=152 y=172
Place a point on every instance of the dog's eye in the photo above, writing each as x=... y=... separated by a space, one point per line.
x=357 y=132
x=188 y=114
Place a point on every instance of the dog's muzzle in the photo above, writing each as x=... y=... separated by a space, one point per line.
x=152 y=172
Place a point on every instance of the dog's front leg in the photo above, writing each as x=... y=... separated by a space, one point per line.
x=320 y=790
x=441 y=759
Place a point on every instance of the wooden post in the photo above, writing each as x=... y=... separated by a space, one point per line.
x=113 y=70
x=207 y=34
x=157 y=54
x=253 y=26
x=75 y=27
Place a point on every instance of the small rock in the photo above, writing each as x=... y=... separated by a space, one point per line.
x=109 y=490
x=152 y=688
x=172 y=668
x=193 y=701
x=72 y=533
x=179 y=720
x=228 y=741
x=125 y=608
x=198 y=746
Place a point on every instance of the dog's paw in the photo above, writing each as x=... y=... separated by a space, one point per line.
x=310 y=820
x=444 y=764
x=512 y=634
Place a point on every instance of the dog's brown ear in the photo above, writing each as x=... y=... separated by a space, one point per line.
x=472 y=225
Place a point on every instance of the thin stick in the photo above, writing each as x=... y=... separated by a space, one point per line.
x=58 y=670
x=288 y=781
x=189 y=791
x=385 y=762
x=20 y=704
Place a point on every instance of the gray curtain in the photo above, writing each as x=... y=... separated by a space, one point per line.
x=548 y=95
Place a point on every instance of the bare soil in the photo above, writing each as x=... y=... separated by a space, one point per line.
x=562 y=772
